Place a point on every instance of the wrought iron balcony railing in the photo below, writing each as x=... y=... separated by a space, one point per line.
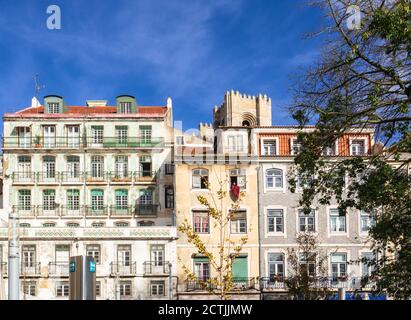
x=146 y=209
x=121 y=211
x=25 y=211
x=331 y=283
x=60 y=269
x=48 y=211
x=123 y=268
x=200 y=285
x=40 y=142
x=96 y=211
x=23 y=177
x=30 y=269
x=72 y=211
x=156 y=268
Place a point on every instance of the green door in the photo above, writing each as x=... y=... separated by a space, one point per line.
x=240 y=269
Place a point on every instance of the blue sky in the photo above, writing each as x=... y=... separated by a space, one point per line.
x=191 y=50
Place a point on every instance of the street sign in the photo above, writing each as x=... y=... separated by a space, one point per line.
x=92 y=266
x=72 y=266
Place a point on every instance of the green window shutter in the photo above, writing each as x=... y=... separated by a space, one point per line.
x=240 y=267
x=145 y=127
x=97 y=192
x=146 y=192
x=200 y=259
x=121 y=127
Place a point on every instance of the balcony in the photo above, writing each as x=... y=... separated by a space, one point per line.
x=96 y=211
x=146 y=209
x=25 y=211
x=145 y=176
x=59 y=269
x=3 y=269
x=30 y=269
x=123 y=269
x=81 y=142
x=121 y=211
x=156 y=268
x=199 y=286
x=330 y=283
x=71 y=177
x=23 y=177
x=121 y=177
x=71 y=212
x=47 y=212
x=48 y=177
x=96 y=177
x=243 y=284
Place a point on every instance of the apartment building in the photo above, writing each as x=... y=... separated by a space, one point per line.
x=95 y=180
x=343 y=239
x=247 y=144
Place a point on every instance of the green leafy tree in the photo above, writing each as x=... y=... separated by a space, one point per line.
x=307 y=266
x=362 y=81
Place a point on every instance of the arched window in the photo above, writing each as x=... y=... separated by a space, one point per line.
x=49 y=224
x=200 y=179
x=73 y=224
x=121 y=224
x=146 y=223
x=274 y=178
x=24 y=225
x=97 y=224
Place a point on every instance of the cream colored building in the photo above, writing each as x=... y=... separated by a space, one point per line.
x=95 y=180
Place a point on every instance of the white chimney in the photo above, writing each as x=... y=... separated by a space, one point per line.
x=35 y=103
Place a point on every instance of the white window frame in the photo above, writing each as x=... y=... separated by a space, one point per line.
x=237 y=224
x=274 y=188
x=336 y=154
x=315 y=232
x=157 y=284
x=336 y=233
x=275 y=233
x=201 y=175
x=347 y=259
x=277 y=146
x=365 y=145
x=372 y=220
x=237 y=144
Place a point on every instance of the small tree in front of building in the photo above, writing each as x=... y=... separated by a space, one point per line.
x=220 y=261
x=307 y=266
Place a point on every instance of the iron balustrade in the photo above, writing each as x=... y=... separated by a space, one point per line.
x=71 y=176
x=98 y=176
x=146 y=209
x=48 y=176
x=26 y=211
x=121 y=211
x=200 y=285
x=30 y=269
x=48 y=211
x=123 y=268
x=241 y=284
x=23 y=177
x=41 y=142
x=57 y=268
x=96 y=211
x=125 y=177
x=72 y=211
x=331 y=283
x=156 y=267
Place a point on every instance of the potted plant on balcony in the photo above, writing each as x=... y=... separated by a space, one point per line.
x=37 y=140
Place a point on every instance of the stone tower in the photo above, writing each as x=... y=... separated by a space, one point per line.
x=241 y=110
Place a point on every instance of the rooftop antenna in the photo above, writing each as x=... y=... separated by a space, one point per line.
x=37 y=86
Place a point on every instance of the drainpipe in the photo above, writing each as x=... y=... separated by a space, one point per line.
x=14 y=258
x=170 y=282
x=260 y=253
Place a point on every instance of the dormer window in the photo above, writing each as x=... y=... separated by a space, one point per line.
x=357 y=147
x=53 y=107
x=125 y=107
